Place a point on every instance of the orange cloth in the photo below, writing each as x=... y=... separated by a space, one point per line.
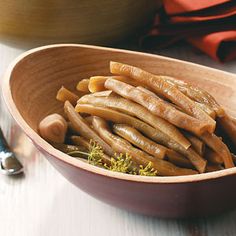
x=219 y=45
x=177 y=6
x=209 y=25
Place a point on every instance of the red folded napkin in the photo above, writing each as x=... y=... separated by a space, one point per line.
x=209 y=25
x=221 y=46
x=174 y=7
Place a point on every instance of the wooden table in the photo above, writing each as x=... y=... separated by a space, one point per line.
x=43 y=203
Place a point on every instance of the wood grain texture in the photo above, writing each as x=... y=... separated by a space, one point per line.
x=44 y=203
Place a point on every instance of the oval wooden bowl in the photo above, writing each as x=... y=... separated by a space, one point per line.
x=81 y=21
x=29 y=89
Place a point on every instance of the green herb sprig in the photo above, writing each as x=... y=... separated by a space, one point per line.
x=95 y=154
x=148 y=170
x=119 y=163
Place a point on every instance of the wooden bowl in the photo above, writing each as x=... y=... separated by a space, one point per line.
x=29 y=88
x=79 y=21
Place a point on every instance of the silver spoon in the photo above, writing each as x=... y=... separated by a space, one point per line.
x=9 y=165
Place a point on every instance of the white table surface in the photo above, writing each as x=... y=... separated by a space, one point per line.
x=44 y=203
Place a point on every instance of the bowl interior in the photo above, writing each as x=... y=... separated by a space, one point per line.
x=36 y=78
x=31 y=83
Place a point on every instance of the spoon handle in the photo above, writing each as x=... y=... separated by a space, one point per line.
x=9 y=164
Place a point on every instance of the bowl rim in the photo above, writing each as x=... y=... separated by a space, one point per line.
x=45 y=147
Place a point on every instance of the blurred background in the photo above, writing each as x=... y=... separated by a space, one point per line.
x=208 y=26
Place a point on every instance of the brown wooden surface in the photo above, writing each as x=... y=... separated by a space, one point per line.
x=43 y=203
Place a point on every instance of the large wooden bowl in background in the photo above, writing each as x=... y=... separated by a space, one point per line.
x=82 y=21
x=29 y=90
